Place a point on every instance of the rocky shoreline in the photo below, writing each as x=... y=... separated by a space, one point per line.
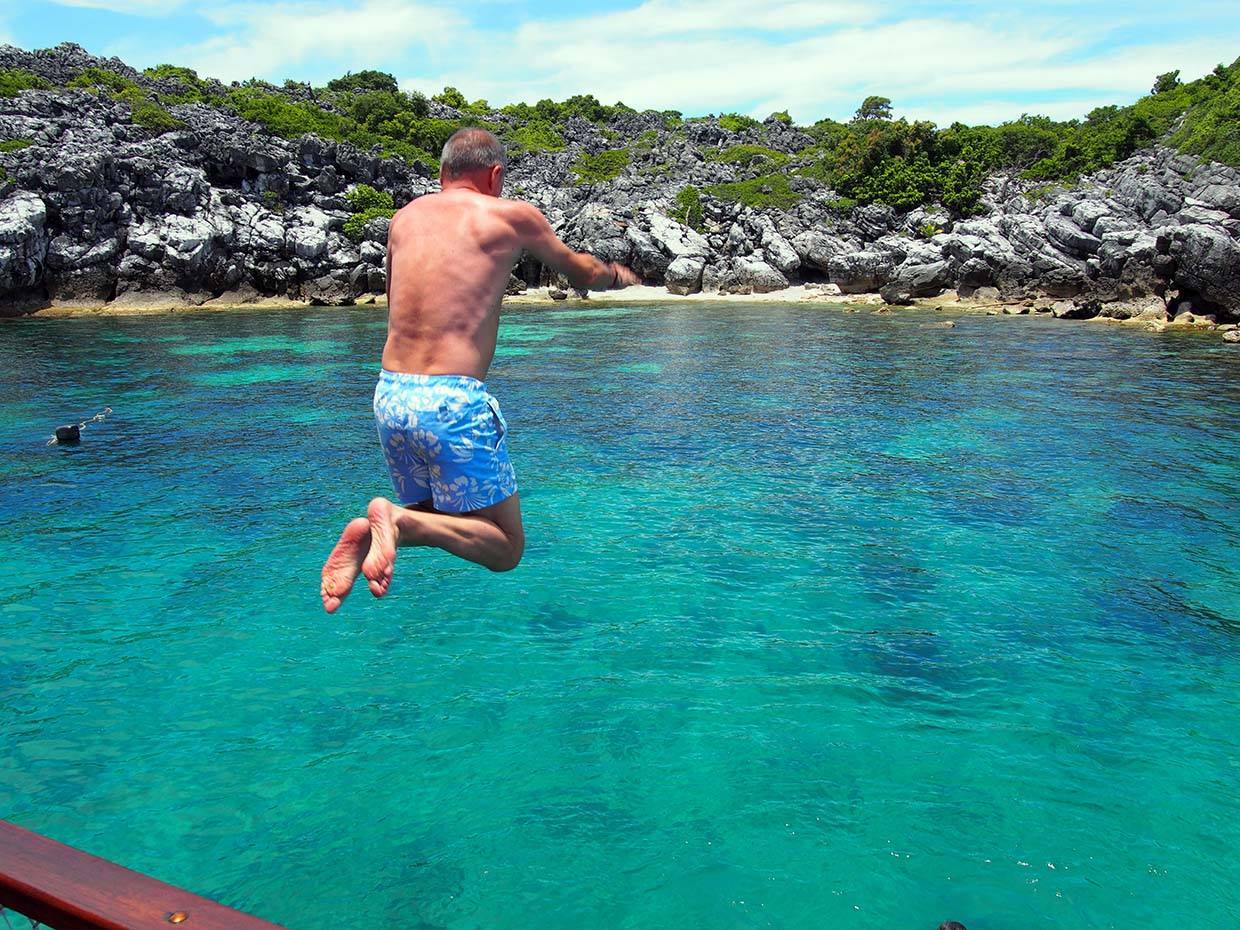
x=98 y=211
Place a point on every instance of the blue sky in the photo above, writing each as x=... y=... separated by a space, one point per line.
x=973 y=61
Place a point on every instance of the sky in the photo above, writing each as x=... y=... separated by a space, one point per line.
x=978 y=62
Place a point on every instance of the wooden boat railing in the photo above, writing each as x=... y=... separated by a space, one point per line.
x=57 y=886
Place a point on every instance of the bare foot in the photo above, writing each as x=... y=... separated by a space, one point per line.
x=378 y=565
x=344 y=563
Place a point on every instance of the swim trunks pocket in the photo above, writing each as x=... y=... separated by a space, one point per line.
x=501 y=425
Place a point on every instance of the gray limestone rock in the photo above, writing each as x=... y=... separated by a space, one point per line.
x=861 y=272
x=1208 y=263
x=684 y=275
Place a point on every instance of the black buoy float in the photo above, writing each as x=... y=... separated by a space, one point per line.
x=71 y=434
x=66 y=435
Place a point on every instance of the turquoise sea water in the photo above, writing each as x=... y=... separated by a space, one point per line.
x=826 y=620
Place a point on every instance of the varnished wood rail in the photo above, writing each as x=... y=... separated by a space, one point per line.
x=67 y=889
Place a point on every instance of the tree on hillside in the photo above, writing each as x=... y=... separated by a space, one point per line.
x=363 y=82
x=874 y=108
x=451 y=97
x=1166 y=82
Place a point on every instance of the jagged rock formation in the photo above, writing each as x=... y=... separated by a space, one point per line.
x=96 y=207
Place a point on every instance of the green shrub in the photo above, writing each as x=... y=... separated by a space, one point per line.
x=355 y=226
x=767 y=192
x=1211 y=128
x=451 y=97
x=363 y=197
x=14 y=80
x=734 y=122
x=688 y=208
x=874 y=108
x=842 y=204
x=536 y=136
x=363 y=82
x=929 y=230
x=15 y=145
x=596 y=169
x=367 y=204
x=94 y=77
x=747 y=155
x=190 y=87
x=144 y=111
x=781 y=116
x=282 y=117
x=147 y=113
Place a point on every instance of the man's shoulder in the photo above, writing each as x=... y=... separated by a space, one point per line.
x=524 y=215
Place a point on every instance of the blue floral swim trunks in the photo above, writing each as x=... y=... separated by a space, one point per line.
x=444 y=440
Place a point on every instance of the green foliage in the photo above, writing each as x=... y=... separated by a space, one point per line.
x=874 y=108
x=451 y=97
x=767 y=192
x=376 y=118
x=1043 y=193
x=190 y=87
x=536 y=136
x=363 y=197
x=94 y=77
x=271 y=200
x=929 y=230
x=781 y=116
x=355 y=226
x=145 y=112
x=842 y=204
x=367 y=204
x=1211 y=129
x=596 y=169
x=646 y=141
x=734 y=122
x=14 y=80
x=364 y=82
x=585 y=106
x=688 y=208
x=672 y=119
x=1166 y=82
x=283 y=117
x=14 y=145
x=747 y=155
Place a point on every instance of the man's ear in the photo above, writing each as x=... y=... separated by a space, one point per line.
x=497 y=180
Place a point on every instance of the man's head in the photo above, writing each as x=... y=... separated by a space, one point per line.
x=475 y=158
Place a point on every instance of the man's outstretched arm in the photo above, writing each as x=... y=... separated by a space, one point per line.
x=583 y=270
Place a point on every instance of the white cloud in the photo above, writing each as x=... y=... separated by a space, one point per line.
x=141 y=7
x=934 y=66
x=274 y=40
x=690 y=17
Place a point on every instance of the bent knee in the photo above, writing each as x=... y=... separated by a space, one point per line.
x=510 y=559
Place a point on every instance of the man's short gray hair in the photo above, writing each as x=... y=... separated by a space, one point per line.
x=471 y=150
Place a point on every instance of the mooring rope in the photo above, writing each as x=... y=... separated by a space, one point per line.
x=97 y=418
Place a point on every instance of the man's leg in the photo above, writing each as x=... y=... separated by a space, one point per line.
x=492 y=537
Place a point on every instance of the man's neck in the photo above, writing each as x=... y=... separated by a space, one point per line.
x=462 y=184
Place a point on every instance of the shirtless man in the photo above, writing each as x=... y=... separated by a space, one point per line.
x=449 y=258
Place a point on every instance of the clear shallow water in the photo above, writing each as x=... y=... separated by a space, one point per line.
x=826 y=620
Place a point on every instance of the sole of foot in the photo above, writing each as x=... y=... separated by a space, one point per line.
x=380 y=561
x=343 y=565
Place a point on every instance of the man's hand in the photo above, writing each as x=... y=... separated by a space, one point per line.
x=624 y=277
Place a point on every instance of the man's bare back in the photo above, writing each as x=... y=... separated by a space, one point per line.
x=449 y=258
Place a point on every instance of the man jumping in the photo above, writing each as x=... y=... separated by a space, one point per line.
x=449 y=258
